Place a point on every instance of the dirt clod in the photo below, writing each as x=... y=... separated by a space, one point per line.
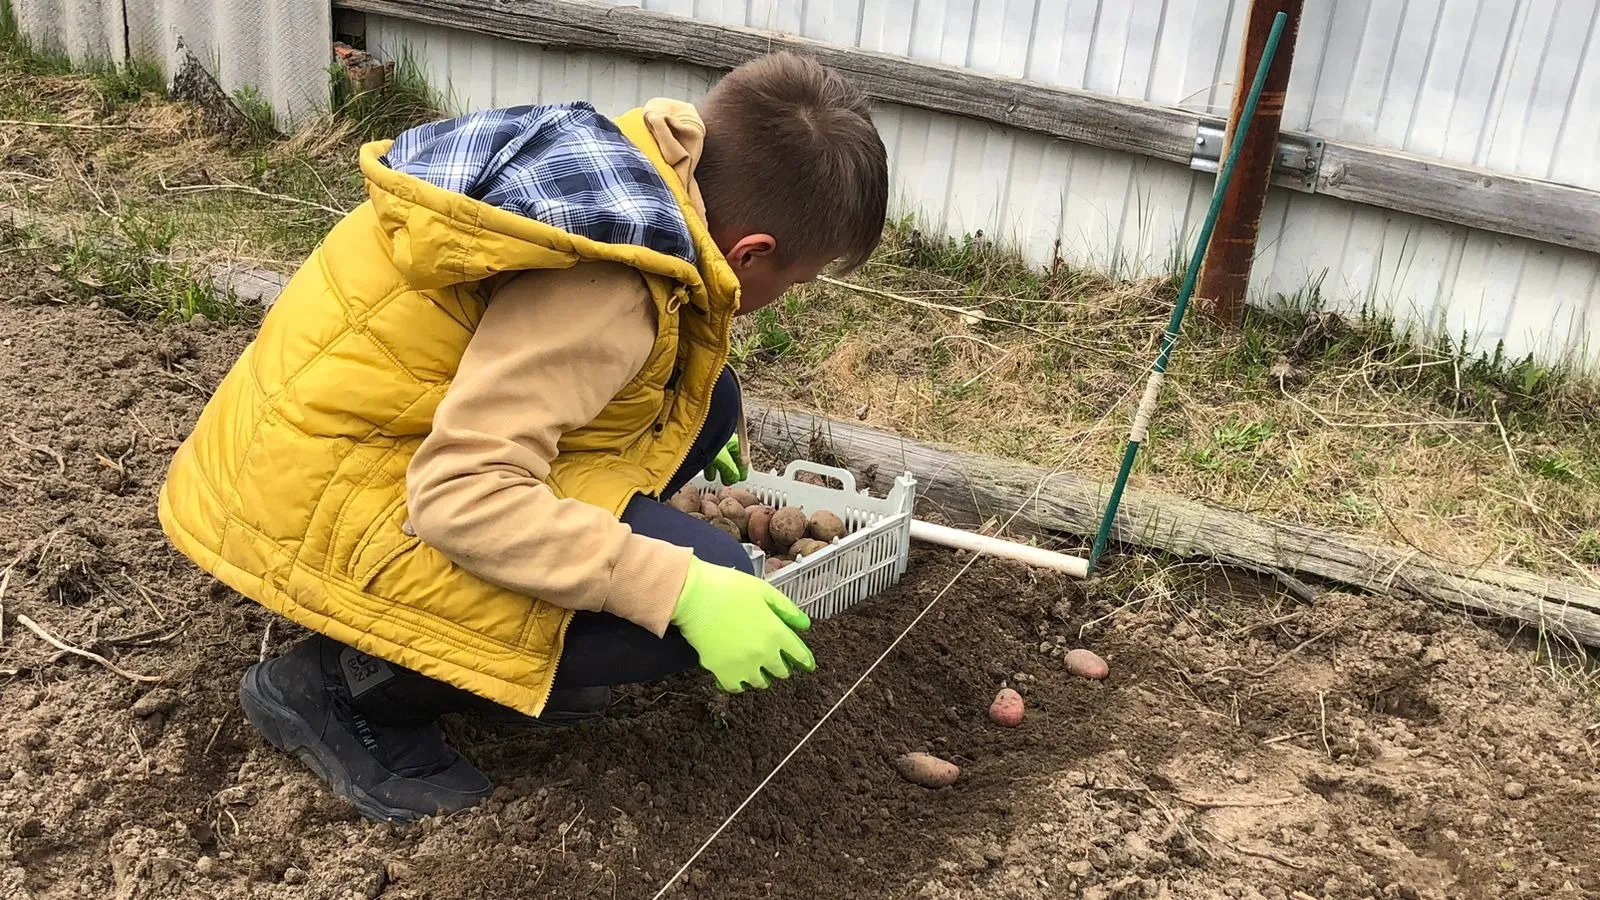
x=159 y=700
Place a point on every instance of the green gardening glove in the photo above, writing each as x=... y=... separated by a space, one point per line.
x=730 y=464
x=742 y=628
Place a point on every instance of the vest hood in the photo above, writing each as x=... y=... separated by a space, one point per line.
x=528 y=187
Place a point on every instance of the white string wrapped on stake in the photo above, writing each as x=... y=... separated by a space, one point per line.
x=1147 y=407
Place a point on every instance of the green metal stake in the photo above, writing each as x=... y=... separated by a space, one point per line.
x=1152 y=389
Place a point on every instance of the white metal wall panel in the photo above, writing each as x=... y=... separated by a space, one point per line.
x=1101 y=208
x=281 y=48
x=1508 y=84
x=88 y=31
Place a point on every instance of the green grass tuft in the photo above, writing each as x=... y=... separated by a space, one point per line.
x=134 y=269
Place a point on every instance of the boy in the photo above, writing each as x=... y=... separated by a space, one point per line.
x=444 y=452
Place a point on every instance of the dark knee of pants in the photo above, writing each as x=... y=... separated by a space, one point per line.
x=709 y=543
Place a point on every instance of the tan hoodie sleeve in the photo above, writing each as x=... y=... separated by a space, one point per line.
x=553 y=348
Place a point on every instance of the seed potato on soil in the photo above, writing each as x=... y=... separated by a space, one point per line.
x=1006 y=710
x=1426 y=717
x=1087 y=664
x=927 y=770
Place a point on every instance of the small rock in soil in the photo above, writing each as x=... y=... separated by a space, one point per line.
x=1515 y=790
x=292 y=875
x=206 y=866
x=1242 y=776
x=1087 y=664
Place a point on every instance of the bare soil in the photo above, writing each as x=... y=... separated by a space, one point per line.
x=1245 y=745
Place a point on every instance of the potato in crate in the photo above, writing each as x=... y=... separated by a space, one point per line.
x=826 y=548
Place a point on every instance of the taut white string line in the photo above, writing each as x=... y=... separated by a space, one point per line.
x=843 y=697
x=814 y=729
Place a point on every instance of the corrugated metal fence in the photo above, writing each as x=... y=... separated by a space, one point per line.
x=1512 y=85
x=278 y=47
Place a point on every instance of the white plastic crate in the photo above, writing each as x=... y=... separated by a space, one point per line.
x=869 y=558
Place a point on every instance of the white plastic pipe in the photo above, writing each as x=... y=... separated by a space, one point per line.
x=929 y=533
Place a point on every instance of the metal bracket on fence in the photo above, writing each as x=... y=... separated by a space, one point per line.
x=1299 y=159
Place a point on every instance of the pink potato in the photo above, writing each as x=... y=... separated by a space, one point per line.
x=734 y=511
x=745 y=496
x=926 y=770
x=686 y=500
x=825 y=527
x=709 y=508
x=787 y=526
x=1086 y=664
x=728 y=525
x=757 y=527
x=807 y=547
x=776 y=564
x=1006 y=710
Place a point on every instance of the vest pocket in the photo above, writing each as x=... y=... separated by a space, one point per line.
x=385 y=539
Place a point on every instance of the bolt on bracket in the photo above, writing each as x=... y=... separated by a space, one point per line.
x=1297 y=165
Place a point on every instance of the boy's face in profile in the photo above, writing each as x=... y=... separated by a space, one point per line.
x=763 y=274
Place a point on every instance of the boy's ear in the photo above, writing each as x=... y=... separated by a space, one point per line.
x=748 y=249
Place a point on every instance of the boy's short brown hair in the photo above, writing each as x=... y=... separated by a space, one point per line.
x=791 y=151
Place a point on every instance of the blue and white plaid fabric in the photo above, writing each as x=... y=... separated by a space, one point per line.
x=564 y=165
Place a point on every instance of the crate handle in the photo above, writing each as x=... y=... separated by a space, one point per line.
x=800 y=465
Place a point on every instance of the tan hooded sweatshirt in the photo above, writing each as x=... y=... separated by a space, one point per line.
x=553 y=349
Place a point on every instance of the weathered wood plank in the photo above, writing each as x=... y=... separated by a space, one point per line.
x=1477 y=198
x=970 y=488
x=1538 y=210
x=1078 y=116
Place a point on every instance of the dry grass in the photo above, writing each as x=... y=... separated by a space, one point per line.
x=1300 y=415
x=140 y=181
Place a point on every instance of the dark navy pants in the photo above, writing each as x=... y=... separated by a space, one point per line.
x=602 y=649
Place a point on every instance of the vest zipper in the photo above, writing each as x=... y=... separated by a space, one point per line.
x=720 y=363
x=555 y=661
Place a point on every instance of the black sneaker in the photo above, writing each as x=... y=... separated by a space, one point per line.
x=398 y=767
x=565 y=708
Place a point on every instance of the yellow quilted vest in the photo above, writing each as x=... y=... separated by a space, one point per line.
x=291 y=489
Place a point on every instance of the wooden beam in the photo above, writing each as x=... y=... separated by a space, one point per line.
x=1541 y=211
x=1078 y=116
x=969 y=488
x=1462 y=195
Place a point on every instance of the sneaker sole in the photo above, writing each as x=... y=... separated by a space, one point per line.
x=287 y=731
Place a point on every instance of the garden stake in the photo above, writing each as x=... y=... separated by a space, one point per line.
x=1158 y=372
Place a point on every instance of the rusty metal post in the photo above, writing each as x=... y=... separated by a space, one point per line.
x=1225 y=277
